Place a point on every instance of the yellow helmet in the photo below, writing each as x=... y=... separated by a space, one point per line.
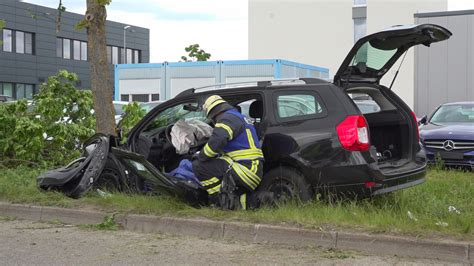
x=211 y=102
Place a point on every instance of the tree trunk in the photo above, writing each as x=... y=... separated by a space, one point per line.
x=101 y=85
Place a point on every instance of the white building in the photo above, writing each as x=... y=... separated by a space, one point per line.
x=323 y=31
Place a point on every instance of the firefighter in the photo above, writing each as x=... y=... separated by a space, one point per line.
x=233 y=146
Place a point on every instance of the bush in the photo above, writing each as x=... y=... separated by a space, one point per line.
x=133 y=113
x=47 y=131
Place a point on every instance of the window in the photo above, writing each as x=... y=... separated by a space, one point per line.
x=115 y=58
x=155 y=97
x=116 y=55
x=77 y=50
x=294 y=105
x=172 y=114
x=140 y=97
x=6 y=89
x=136 y=56
x=17 y=90
x=372 y=57
x=124 y=97
x=28 y=43
x=66 y=49
x=84 y=51
x=360 y=2
x=7 y=40
x=360 y=28
x=454 y=113
x=24 y=91
x=22 y=44
x=129 y=56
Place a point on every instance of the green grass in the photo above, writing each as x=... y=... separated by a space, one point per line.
x=428 y=203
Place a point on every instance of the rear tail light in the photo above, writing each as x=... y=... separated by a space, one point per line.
x=353 y=133
x=417 y=128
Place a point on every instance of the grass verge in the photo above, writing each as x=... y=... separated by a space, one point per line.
x=442 y=207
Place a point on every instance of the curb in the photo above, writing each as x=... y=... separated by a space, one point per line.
x=256 y=233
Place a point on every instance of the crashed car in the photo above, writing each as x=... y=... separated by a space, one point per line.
x=314 y=137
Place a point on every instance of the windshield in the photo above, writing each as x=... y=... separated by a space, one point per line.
x=173 y=114
x=454 y=113
x=149 y=106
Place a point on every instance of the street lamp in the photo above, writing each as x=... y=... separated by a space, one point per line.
x=125 y=43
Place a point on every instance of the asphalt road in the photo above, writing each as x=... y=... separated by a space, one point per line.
x=24 y=242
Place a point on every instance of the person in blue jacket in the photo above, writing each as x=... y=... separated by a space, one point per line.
x=233 y=146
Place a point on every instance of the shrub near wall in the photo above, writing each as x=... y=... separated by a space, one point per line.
x=46 y=131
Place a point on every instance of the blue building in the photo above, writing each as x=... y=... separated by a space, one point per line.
x=162 y=81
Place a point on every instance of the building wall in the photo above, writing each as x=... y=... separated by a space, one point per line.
x=36 y=68
x=306 y=31
x=322 y=31
x=445 y=71
x=401 y=12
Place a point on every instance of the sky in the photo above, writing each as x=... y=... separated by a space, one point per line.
x=220 y=27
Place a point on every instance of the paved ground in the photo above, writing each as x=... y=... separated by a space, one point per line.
x=24 y=242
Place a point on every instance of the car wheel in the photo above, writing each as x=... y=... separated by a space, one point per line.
x=108 y=180
x=286 y=183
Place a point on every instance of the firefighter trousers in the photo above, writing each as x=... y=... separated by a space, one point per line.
x=247 y=174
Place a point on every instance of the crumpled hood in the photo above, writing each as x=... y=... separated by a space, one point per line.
x=457 y=131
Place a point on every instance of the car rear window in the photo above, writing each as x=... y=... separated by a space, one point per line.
x=298 y=105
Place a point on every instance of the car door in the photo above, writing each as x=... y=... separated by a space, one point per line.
x=372 y=57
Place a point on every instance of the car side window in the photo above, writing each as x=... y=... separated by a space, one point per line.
x=295 y=105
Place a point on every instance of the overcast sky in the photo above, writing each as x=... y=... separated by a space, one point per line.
x=219 y=26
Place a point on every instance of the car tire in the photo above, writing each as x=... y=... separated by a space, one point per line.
x=286 y=184
x=108 y=180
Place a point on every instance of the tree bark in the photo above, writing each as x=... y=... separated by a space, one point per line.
x=101 y=85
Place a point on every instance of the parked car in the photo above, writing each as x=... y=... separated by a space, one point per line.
x=449 y=134
x=329 y=144
x=6 y=98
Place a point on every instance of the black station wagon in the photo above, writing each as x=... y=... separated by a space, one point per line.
x=314 y=137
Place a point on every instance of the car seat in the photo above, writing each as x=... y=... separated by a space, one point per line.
x=256 y=112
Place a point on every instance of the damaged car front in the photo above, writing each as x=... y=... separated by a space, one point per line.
x=105 y=165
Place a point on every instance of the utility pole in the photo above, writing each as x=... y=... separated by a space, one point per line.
x=125 y=43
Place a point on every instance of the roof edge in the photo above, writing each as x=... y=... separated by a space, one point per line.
x=444 y=13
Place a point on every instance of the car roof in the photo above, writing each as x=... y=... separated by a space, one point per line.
x=253 y=86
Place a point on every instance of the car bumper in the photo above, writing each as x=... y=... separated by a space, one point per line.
x=400 y=186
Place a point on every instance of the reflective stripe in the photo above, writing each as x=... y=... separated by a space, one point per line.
x=243 y=201
x=208 y=151
x=210 y=181
x=250 y=138
x=247 y=154
x=249 y=178
x=227 y=128
x=254 y=166
x=212 y=105
x=214 y=190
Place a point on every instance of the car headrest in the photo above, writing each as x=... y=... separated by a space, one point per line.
x=256 y=109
